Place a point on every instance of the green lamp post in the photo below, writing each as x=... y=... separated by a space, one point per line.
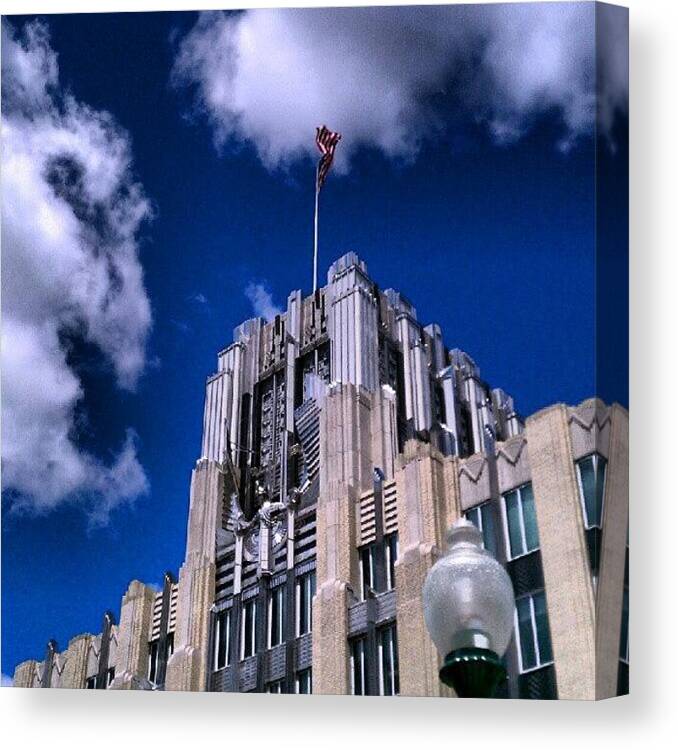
x=469 y=608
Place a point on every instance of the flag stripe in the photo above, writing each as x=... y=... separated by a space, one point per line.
x=326 y=140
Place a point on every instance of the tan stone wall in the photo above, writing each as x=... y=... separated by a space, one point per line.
x=75 y=665
x=136 y=612
x=26 y=674
x=330 y=638
x=610 y=591
x=419 y=661
x=431 y=491
x=428 y=503
x=187 y=667
x=345 y=470
x=567 y=577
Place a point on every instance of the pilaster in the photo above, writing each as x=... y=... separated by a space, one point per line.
x=187 y=667
x=76 y=658
x=136 y=613
x=26 y=674
x=610 y=590
x=344 y=470
x=567 y=576
x=427 y=504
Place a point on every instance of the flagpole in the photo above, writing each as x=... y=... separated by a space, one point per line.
x=315 y=234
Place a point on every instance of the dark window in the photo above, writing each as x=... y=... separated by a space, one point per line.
x=591 y=477
x=304 y=681
x=275 y=616
x=248 y=629
x=110 y=675
x=624 y=638
x=533 y=631
x=388 y=661
x=275 y=687
x=91 y=683
x=170 y=644
x=366 y=569
x=521 y=521
x=305 y=594
x=358 y=667
x=222 y=639
x=152 y=660
x=482 y=518
x=391 y=556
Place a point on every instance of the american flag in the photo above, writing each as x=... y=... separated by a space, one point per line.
x=326 y=141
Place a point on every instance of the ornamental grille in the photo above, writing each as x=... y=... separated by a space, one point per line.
x=367 y=521
x=305 y=538
x=157 y=612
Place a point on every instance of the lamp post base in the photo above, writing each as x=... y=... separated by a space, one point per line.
x=473 y=672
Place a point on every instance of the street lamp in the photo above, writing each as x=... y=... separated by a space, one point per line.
x=468 y=609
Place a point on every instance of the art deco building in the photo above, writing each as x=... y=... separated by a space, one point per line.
x=340 y=442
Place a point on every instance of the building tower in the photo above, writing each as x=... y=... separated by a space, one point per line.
x=340 y=441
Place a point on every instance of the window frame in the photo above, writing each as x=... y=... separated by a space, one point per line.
x=278 y=593
x=250 y=603
x=222 y=617
x=391 y=545
x=297 y=681
x=395 y=665
x=370 y=550
x=505 y=523
x=360 y=641
x=595 y=457
x=152 y=668
x=478 y=510
x=535 y=635
x=306 y=583
x=275 y=687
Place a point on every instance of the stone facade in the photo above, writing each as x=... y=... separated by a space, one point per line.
x=340 y=442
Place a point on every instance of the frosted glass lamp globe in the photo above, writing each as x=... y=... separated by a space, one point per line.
x=468 y=602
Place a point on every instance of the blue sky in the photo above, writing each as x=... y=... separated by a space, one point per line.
x=475 y=200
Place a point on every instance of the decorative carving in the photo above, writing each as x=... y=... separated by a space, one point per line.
x=266 y=532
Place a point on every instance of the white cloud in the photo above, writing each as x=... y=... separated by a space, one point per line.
x=6 y=681
x=70 y=214
x=262 y=302
x=269 y=76
x=613 y=59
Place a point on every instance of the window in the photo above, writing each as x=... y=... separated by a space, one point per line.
x=391 y=555
x=152 y=660
x=358 y=671
x=305 y=594
x=482 y=518
x=366 y=570
x=624 y=639
x=275 y=616
x=222 y=640
x=110 y=675
x=248 y=629
x=591 y=479
x=533 y=635
x=520 y=521
x=388 y=661
x=304 y=682
x=275 y=687
x=170 y=644
x=91 y=683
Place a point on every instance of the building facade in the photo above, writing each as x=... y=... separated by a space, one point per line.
x=340 y=442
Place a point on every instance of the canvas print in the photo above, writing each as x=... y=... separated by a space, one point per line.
x=315 y=351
